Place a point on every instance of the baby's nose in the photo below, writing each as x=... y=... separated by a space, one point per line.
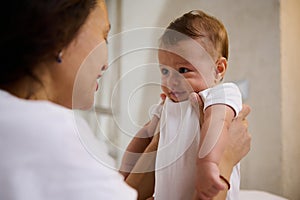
x=174 y=79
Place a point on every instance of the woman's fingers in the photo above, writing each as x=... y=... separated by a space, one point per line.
x=244 y=112
x=240 y=138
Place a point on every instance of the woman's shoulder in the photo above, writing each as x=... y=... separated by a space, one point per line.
x=44 y=129
x=37 y=123
x=43 y=140
x=30 y=111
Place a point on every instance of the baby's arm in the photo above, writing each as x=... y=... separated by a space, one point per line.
x=214 y=136
x=221 y=103
x=214 y=132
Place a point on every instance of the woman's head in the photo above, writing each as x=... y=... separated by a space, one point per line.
x=36 y=31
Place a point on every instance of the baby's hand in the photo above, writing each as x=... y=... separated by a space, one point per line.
x=208 y=183
x=163 y=97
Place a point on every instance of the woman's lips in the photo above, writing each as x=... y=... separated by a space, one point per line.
x=97 y=86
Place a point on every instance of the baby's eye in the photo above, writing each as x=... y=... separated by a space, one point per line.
x=183 y=70
x=164 y=71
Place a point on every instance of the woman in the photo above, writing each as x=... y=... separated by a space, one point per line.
x=43 y=46
x=44 y=74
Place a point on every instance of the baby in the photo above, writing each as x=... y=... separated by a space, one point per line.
x=193 y=58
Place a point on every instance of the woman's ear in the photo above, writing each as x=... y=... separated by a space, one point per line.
x=221 y=67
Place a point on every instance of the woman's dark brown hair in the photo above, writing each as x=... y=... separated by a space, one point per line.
x=34 y=31
x=197 y=24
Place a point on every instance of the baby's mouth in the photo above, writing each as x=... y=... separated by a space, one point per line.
x=177 y=93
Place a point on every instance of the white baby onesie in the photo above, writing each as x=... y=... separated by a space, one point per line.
x=179 y=140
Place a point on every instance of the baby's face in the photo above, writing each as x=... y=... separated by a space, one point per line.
x=183 y=71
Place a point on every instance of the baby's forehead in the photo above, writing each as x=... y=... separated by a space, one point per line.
x=171 y=56
x=199 y=45
x=189 y=50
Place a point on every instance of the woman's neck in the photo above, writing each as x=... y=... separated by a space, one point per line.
x=27 y=88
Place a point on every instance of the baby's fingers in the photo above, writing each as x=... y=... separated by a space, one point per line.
x=218 y=185
x=196 y=101
x=203 y=196
x=163 y=97
x=197 y=104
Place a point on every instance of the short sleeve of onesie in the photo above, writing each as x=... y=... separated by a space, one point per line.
x=227 y=93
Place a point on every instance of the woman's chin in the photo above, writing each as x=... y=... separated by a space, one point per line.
x=83 y=104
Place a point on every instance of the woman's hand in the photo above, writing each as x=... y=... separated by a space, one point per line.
x=237 y=148
x=240 y=139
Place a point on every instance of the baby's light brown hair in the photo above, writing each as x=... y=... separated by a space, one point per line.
x=198 y=25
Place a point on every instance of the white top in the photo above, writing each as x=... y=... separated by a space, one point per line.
x=179 y=142
x=42 y=157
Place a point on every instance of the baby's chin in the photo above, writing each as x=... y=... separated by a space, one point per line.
x=178 y=99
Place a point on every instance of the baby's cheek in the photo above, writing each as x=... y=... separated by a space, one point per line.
x=163 y=82
x=187 y=84
x=164 y=89
x=193 y=85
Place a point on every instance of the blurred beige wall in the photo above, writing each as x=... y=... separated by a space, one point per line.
x=290 y=71
x=264 y=44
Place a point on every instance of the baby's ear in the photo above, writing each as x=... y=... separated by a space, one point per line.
x=221 y=66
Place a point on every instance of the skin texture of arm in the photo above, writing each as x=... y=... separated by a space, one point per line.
x=214 y=138
x=138 y=169
x=238 y=146
x=214 y=132
x=137 y=146
x=141 y=174
x=144 y=182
